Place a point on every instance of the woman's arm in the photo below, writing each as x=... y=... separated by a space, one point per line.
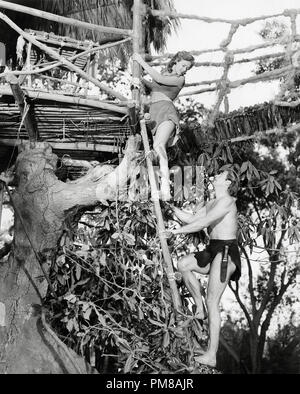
x=159 y=78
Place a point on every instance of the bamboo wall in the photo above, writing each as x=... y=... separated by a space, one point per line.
x=62 y=122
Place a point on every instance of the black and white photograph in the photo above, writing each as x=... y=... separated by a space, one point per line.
x=149 y=190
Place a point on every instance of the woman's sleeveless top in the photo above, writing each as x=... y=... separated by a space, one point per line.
x=170 y=91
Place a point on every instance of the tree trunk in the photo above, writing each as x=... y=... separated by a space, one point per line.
x=43 y=204
x=254 y=339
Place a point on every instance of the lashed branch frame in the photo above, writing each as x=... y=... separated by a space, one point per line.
x=224 y=85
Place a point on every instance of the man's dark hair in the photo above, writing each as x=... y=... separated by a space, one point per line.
x=234 y=186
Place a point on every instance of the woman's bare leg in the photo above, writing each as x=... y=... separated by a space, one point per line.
x=162 y=135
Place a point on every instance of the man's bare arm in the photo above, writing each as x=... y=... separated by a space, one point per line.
x=217 y=212
x=187 y=217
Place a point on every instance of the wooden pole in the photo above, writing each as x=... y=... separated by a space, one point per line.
x=266 y=76
x=51 y=65
x=89 y=73
x=133 y=118
x=20 y=100
x=28 y=63
x=61 y=19
x=1 y=201
x=63 y=82
x=64 y=61
x=69 y=100
x=246 y=21
x=226 y=104
x=160 y=222
x=137 y=45
x=67 y=161
x=73 y=146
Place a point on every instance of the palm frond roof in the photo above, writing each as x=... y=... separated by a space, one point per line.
x=113 y=13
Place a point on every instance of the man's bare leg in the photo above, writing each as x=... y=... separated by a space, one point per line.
x=187 y=265
x=215 y=291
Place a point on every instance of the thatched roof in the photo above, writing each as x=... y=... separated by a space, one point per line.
x=113 y=13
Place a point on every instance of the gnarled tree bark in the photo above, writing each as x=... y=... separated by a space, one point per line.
x=43 y=207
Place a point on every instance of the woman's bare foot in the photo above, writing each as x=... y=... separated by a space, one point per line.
x=206 y=359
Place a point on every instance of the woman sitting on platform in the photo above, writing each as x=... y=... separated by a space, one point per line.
x=165 y=87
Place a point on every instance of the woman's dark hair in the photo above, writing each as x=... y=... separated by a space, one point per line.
x=182 y=55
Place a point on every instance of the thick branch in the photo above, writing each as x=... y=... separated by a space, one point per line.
x=243 y=307
x=255 y=206
x=269 y=43
x=273 y=260
x=283 y=232
x=20 y=100
x=64 y=20
x=100 y=184
x=1 y=200
x=54 y=64
x=67 y=161
x=70 y=100
x=266 y=76
x=243 y=22
x=266 y=323
x=251 y=288
x=270 y=285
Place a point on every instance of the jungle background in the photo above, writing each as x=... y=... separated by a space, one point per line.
x=113 y=304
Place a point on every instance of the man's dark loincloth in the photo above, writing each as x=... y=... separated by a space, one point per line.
x=216 y=246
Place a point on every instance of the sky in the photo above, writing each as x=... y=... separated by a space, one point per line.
x=198 y=35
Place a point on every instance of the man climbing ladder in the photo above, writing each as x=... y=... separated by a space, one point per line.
x=220 y=259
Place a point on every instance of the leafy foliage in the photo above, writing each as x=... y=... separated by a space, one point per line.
x=114 y=301
x=114 y=304
x=284 y=351
x=275 y=31
x=268 y=205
